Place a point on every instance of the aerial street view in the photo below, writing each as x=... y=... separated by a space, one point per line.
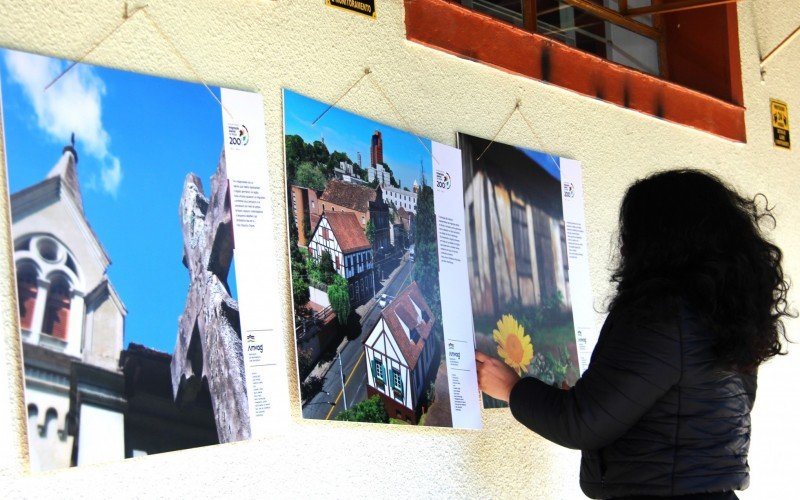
x=365 y=277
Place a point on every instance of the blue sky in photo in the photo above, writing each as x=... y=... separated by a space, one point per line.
x=137 y=137
x=549 y=163
x=350 y=133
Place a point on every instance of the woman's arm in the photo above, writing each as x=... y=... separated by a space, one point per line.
x=635 y=367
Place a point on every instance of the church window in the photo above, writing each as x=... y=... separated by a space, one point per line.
x=27 y=290
x=71 y=265
x=50 y=422
x=23 y=244
x=56 y=314
x=33 y=415
x=48 y=249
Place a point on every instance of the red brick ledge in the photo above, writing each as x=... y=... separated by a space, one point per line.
x=451 y=27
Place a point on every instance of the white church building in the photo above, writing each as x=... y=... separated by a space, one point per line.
x=69 y=313
x=400 y=353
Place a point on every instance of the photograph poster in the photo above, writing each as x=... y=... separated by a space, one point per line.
x=383 y=329
x=138 y=336
x=528 y=261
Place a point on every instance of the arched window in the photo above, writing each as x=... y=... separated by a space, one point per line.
x=27 y=290
x=56 y=313
x=50 y=423
x=33 y=415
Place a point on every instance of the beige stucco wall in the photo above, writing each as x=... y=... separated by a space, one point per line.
x=263 y=45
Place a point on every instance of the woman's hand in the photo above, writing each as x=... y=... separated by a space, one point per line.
x=495 y=378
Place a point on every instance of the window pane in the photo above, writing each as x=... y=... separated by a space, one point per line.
x=506 y=10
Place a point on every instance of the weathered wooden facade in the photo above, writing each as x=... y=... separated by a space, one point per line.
x=516 y=241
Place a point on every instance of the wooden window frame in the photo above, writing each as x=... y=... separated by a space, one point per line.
x=447 y=25
x=397 y=390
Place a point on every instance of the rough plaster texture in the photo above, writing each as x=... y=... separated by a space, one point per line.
x=319 y=51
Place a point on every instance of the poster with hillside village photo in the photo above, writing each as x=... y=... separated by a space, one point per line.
x=528 y=261
x=125 y=193
x=379 y=276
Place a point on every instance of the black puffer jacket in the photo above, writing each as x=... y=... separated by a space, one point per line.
x=653 y=413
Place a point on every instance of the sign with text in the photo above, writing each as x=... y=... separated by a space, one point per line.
x=780 y=123
x=364 y=7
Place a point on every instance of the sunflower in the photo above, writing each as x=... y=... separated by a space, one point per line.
x=513 y=345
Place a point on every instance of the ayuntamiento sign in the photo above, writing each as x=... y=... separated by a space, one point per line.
x=365 y=7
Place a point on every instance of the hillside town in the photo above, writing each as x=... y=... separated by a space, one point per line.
x=361 y=319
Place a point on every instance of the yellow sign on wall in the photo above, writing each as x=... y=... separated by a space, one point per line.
x=780 y=123
x=365 y=7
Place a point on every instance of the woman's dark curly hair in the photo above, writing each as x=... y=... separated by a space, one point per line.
x=685 y=234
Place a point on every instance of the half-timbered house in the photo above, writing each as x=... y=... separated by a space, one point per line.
x=341 y=235
x=401 y=355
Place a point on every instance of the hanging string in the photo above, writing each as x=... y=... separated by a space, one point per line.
x=516 y=107
x=382 y=92
x=126 y=16
x=538 y=139
x=402 y=118
x=184 y=60
x=367 y=71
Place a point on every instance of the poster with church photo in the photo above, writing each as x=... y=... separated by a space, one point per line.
x=379 y=278
x=125 y=192
x=528 y=262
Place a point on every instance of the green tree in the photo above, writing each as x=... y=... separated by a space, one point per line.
x=326 y=268
x=339 y=297
x=336 y=158
x=300 y=292
x=370 y=231
x=369 y=410
x=426 y=249
x=321 y=156
x=295 y=154
x=307 y=175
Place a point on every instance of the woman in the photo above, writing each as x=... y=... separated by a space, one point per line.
x=664 y=408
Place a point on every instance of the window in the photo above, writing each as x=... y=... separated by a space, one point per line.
x=605 y=49
x=378 y=372
x=56 y=313
x=27 y=290
x=397 y=384
x=519 y=232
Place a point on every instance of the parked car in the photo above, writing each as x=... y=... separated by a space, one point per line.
x=383 y=301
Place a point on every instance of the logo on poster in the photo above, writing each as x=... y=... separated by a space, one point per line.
x=443 y=180
x=569 y=190
x=238 y=135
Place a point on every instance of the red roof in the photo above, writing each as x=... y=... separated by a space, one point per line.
x=348 y=195
x=347 y=231
x=402 y=309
